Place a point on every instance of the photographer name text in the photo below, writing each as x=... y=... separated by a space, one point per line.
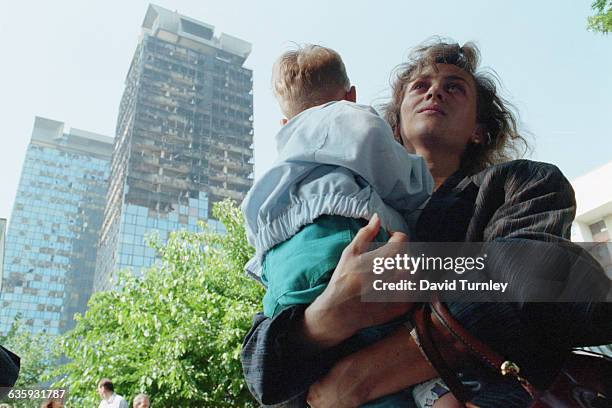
x=452 y=285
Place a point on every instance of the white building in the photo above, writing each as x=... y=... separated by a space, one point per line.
x=593 y=221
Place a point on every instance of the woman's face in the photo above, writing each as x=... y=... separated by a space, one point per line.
x=438 y=111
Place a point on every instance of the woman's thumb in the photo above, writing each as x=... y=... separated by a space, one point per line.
x=366 y=235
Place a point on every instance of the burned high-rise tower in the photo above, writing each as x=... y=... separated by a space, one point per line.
x=183 y=139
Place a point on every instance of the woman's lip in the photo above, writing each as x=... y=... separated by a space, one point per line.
x=431 y=111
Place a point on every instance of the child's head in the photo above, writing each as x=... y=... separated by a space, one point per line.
x=308 y=76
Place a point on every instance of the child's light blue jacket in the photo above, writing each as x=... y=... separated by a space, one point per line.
x=339 y=159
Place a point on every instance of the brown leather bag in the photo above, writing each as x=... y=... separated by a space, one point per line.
x=585 y=380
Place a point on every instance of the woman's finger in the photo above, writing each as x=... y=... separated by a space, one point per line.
x=391 y=248
x=365 y=236
x=312 y=396
x=398 y=237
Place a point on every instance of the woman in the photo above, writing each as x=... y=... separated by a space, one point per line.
x=446 y=111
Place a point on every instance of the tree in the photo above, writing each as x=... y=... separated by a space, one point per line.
x=602 y=20
x=174 y=333
x=37 y=357
x=34 y=350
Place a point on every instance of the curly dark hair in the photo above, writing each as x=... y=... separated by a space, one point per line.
x=502 y=141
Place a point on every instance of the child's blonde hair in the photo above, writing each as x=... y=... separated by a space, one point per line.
x=308 y=76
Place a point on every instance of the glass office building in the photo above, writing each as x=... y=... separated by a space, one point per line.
x=183 y=138
x=50 y=249
x=2 y=238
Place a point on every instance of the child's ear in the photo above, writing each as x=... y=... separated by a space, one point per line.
x=351 y=95
x=284 y=121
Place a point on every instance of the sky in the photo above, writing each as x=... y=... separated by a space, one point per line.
x=67 y=61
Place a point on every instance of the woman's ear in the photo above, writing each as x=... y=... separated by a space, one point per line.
x=478 y=134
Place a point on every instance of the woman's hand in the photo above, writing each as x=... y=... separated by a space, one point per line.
x=339 y=311
x=386 y=367
x=342 y=387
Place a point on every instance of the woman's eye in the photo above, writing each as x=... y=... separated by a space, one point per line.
x=453 y=87
x=418 y=85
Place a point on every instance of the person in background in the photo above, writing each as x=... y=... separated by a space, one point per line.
x=141 y=401
x=110 y=399
x=52 y=403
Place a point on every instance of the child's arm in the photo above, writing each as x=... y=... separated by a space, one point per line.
x=383 y=368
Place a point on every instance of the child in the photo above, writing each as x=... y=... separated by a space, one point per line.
x=338 y=164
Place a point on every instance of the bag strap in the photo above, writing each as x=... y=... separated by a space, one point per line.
x=422 y=325
x=476 y=347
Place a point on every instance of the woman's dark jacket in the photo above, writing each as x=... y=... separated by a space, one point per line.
x=518 y=200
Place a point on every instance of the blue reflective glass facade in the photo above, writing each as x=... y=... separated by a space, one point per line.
x=50 y=249
x=138 y=222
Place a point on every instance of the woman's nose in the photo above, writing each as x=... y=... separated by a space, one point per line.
x=435 y=92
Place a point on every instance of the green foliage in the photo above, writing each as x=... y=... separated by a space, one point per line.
x=602 y=20
x=35 y=351
x=174 y=333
